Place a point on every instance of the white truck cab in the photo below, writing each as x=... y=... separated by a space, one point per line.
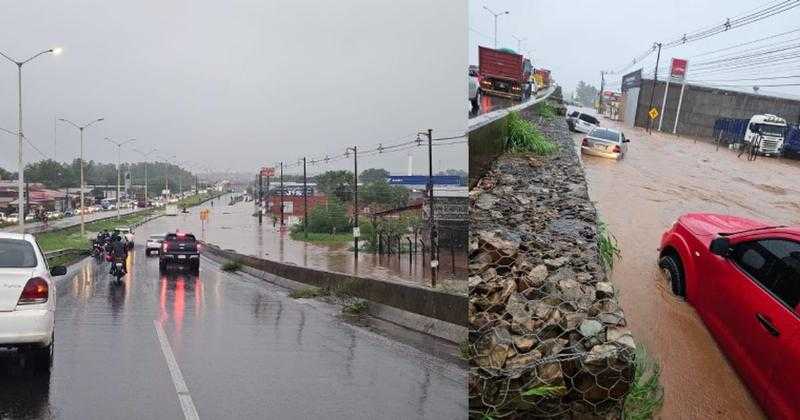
x=772 y=129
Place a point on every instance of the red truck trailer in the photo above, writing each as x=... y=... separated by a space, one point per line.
x=504 y=73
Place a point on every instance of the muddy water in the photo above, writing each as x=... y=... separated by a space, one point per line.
x=234 y=227
x=639 y=197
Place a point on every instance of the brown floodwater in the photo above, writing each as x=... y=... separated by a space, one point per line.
x=234 y=227
x=639 y=197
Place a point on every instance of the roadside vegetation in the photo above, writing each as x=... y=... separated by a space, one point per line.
x=545 y=110
x=525 y=137
x=309 y=293
x=232 y=266
x=70 y=238
x=646 y=395
x=297 y=234
x=607 y=246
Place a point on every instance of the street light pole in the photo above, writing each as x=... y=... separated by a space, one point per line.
x=519 y=42
x=20 y=135
x=281 y=195
x=81 y=128
x=305 y=200
x=145 y=156
x=119 y=157
x=495 y=22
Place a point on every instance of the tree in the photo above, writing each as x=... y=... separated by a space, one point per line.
x=337 y=183
x=6 y=175
x=328 y=218
x=586 y=94
x=381 y=194
x=372 y=175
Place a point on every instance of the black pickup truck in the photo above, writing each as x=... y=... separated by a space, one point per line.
x=179 y=248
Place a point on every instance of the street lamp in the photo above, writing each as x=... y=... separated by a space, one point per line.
x=519 y=42
x=81 y=128
x=20 y=167
x=495 y=22
x=166 y=171
x=145 y=156
x=119 y=156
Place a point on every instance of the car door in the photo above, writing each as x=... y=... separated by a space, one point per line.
x=758 y=291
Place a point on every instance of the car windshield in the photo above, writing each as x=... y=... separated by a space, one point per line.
x=184 y=237
x=16 y=253
x=605 y=134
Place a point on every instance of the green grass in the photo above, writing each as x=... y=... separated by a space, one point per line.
x=358 y=307
x=66 y=259
x=322 y=238
x=607 y=246
x=308 y=293
x=524 y=137
x=232 y=266
x=71 y=238
x=545 y=110
x=465 y=350
x=646 y=394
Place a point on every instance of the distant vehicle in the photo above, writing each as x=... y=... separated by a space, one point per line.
x=504 y=73
x=605 y=142
x=581 y=122
x=542 y=79
x=772 y=130
x=27 y=299
x=171 y=210
x=743 y=278
x=69 y=213
x=12 y=218
x=791 y=144
x=153 y=244
x=473 y=91
x=179 y=248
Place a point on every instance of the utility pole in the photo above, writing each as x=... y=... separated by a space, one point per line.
x=653 y=89
x=431 y=220
x=260 y=196
x=305 y=200
x=281 y=195
x=495 y=22
x=356 y=233
x=119 y=165
x=81 y=128
x=602 y=86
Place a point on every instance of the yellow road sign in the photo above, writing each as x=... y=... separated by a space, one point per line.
x=653 y=113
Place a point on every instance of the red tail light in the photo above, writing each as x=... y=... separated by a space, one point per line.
x=617 y=149
x=35 y=291
x=585 y=142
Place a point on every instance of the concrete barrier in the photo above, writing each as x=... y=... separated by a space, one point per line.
x=433 y=312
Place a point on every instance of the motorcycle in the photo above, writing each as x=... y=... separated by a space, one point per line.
x=97 y=251
x=118 y=269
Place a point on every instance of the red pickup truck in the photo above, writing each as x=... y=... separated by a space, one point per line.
x=743 y=278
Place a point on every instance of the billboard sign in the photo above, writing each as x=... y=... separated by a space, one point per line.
x=451 y=209
x=632 y=80
x=423 y=180
x=268 y=171
x=678 y=69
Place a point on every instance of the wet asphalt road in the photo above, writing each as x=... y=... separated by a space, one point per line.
x=243 y=347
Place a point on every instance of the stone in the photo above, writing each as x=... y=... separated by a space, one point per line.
x=590 y=328
x=601 y=353
x=523 y=360
x=517 y=307
x=621 y=336
x=523 y=343
x=486 y=201
x=604 y=290
x=556 y=262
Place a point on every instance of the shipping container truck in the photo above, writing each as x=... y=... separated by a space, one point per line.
x=542 y=79
x=504 y=73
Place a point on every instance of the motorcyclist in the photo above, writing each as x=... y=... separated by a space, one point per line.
x=118 y=251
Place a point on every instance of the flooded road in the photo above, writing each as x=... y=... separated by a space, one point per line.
x=234 y=227
x=244 y=348
x=639 y=197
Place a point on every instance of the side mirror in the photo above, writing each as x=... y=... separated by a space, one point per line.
x=58 y=270
x=626 y=141
x=720 y=246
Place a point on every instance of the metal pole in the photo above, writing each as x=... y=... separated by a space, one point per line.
x=20 y=168
x=281 y=195
x=146 y=197
x=495 y=31
x=653 y=89
x=119 y=152
x=305 y=201
x=83 y=212
x=260 y=197
x=680 y=101
x=664 y=102
x=355 y=198
x=431 y=219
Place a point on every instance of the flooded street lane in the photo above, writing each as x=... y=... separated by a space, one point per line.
x=639 y=197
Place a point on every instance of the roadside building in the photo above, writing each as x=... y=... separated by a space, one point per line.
x=701 y=106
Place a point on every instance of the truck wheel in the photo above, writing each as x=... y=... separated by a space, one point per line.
x=162 y=265
x=195 y=267
x=671 y=266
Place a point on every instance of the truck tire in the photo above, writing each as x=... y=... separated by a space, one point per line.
x=673 y=270
x=162 y=265
x=195 y=266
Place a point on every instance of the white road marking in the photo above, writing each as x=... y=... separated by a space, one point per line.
x=189 y=411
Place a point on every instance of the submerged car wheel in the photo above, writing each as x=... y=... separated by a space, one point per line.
x=671 y=267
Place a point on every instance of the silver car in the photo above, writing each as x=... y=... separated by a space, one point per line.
x=605 y=142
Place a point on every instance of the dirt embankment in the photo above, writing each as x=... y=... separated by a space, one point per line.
x=547 y=335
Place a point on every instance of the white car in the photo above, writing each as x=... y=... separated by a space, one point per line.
x=153 y=244
x=27 y=298
x=581 y=122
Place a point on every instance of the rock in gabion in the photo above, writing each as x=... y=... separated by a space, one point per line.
x=548 y=336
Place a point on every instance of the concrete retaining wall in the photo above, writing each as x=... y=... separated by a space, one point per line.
x=430 y=311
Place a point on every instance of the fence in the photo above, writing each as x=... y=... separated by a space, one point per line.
x=730 y=130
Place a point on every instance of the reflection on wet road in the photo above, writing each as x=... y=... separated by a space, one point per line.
x=661 y=178
x=244 y=348
x=234 y=227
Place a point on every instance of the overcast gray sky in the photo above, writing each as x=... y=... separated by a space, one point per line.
x=235 y=84
x=579 y=38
